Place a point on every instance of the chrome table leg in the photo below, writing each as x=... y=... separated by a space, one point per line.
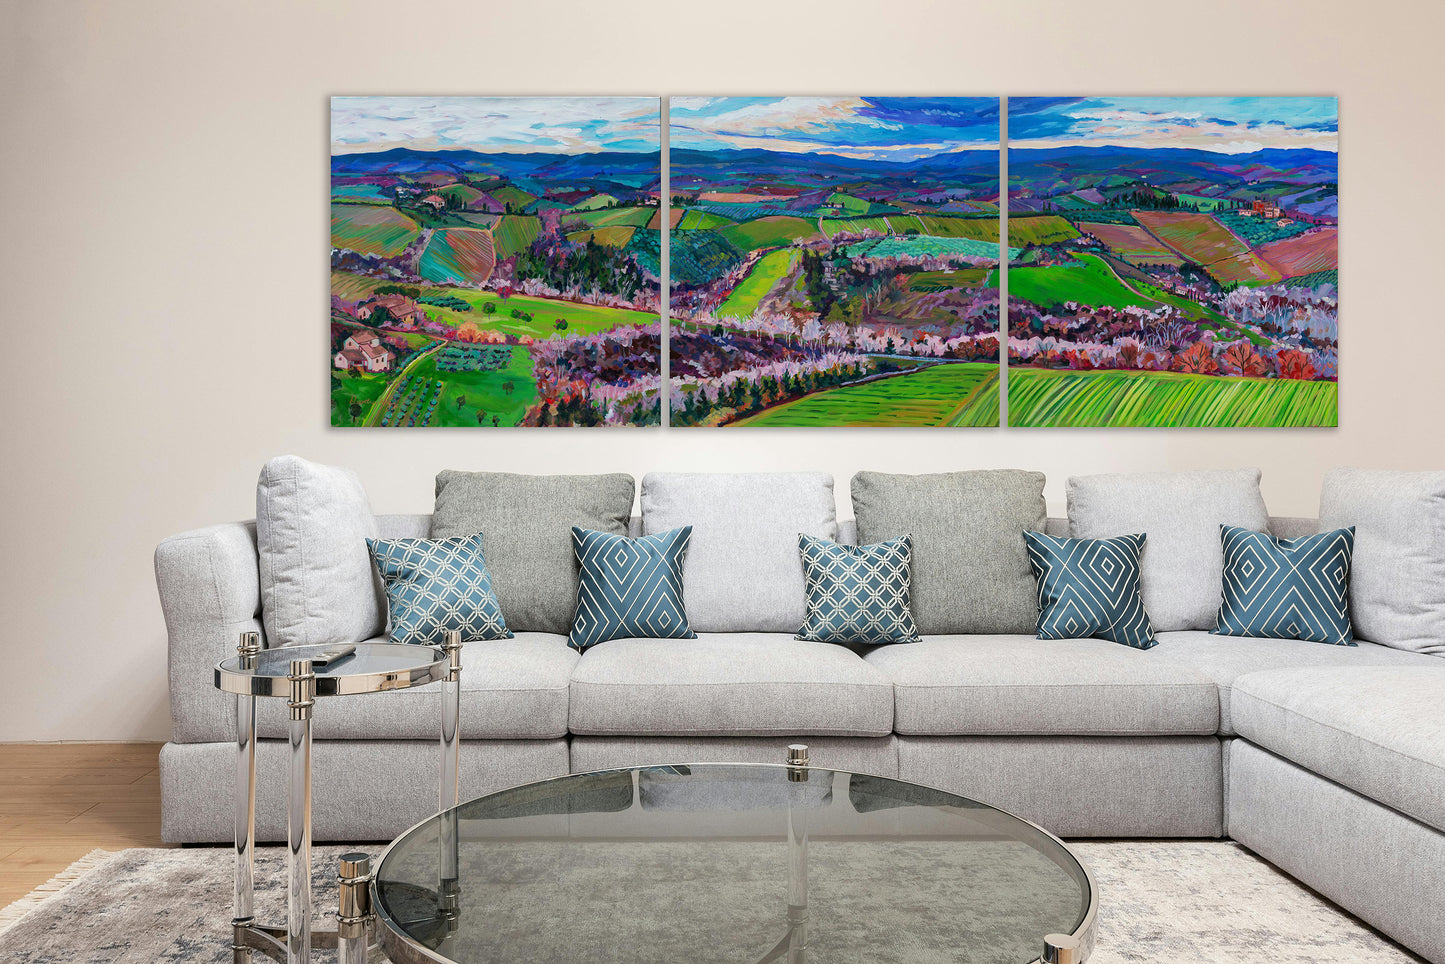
x=353 y=916
x=448 y=796
x=245 y=807
x=298 y=815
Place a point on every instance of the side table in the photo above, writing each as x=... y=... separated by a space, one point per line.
x=290 y=674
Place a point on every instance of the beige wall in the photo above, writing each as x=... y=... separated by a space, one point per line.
x=163 y=255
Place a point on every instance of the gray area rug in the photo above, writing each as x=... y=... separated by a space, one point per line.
x=1210 y=902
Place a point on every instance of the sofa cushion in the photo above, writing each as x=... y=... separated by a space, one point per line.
x=1397 y=584
x=317 y=582
x=1182 y=567
x=1226 y=658
x=970 y=572
x=512 y=689
x=1019 y=685
x=526 y=525
x=742 y=572
x=742 y=684
x=1375 y=729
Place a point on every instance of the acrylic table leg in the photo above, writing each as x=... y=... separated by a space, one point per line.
x=798 y=859
x=243 y=897
x=298 y=815
x=245 y=803
x=447 y=798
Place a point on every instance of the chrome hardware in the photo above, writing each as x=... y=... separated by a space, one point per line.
x=452 y=647
x=303 y=689
x=798 y=762
x=249 y=649
x=354 y=915
x=1061 y=949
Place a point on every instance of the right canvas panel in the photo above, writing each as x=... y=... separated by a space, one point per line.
x=1173 y=261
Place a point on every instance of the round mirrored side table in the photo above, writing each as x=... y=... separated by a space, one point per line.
x=292 y=674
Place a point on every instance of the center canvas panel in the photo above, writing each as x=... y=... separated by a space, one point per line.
x=494 y=261
x=834 y=261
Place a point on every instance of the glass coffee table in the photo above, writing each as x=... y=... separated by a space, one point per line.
x=731 y=864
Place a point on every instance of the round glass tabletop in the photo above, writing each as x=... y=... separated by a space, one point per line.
x=372 y=667
x=732 y=864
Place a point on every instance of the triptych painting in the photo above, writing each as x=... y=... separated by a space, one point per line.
x=848 y=261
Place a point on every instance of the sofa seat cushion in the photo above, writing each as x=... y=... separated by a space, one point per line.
x=1225 y=658
x=1022 y=686
x=740 y=684
x=512 y=689
x=1375 y=729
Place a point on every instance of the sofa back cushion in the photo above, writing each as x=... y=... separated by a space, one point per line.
x=526 y=525
x=317 y=582
x=1397 y=582
x=970 y=570
x=743 y=572
x=1182 y=567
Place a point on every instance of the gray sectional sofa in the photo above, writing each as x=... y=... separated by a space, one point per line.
x=1328 y=761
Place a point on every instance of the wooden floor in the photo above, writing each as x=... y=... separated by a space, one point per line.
x=59 y=801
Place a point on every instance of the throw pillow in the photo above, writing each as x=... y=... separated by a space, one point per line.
x=629 y=587
x=436 y=585
x=754 y=516
x=1090 y=587
x=526 y=521
x=1182 y=566
x=1397 y=579
x=858 y=594
x=970 y=574
x=1287 y=588
x=317 y=583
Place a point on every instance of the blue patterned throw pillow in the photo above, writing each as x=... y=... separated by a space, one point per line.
x=434 y=585
x=1090 y=587
x=1287 y=588
x=858 y=594
x=629 y=587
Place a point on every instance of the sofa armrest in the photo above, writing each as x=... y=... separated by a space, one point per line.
x=210 y=593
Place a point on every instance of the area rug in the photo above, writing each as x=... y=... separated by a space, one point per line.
x=1211 y=902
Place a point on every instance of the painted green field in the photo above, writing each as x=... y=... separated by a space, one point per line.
x=358 y=388
x=703 y=220
x=769 y=232
x=461 y=256
x=1039 y=229
x=580 y=318
x=372 y=229
x=1068 y=399
x=922 y=245
x=608 y=217
x=1091 y=283
x=613 y=235
x=982 y=229
x=749 y=293
x=514 y=233
x=956 y=393
x=849 y=204
x=360 y=193
x=515 y=196
x=833 y=227
x=469 y=393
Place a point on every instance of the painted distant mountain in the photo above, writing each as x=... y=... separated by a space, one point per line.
x=1032 y=167
x=403 y=160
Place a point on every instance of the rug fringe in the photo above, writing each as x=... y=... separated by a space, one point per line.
x=11 y=914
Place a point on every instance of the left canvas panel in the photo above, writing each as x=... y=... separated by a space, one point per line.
x=495 y=261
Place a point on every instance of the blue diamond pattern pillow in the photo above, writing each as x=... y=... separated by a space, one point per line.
x=434 y=585
x=1287 y=588
x=858 y=594
x=1090 y=587
x=629 y=587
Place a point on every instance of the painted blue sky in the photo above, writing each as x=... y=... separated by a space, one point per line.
x=1229 y=125
x=547 y=125
x=893 y=128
